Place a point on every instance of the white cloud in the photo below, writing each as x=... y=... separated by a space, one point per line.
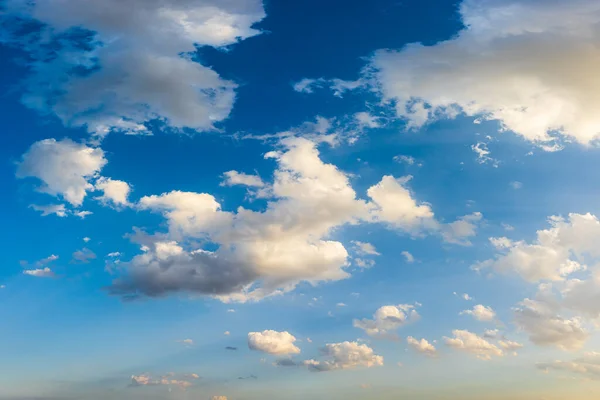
x=405 y=159
x=483 y=154
x=396 y=206
x=226 y=333
x=114 y=254
x=65 y=167
x=218 y=398
x=505 y=65
x=422 y=346
x=345 y=355
x=86 y=239
x=137 y=67
x=556 y=253
x=459 y=231
x=267 y=252
x=39 y=272
x=481 y=313
x=307 y=85
x=365 y=248
x=472 y=343
x=239 y=178
x=409 y=257
x=588 y=365
x=82 y=214
x=58 y=209
x=364 y=264
x=116 y=192
x=387 y=320
x=366 y=120
x=187 y=342
x=464 y=296
x=273 y=342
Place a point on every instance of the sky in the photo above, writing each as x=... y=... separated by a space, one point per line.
x=267 y=199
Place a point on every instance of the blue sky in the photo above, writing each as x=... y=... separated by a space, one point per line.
x=245 y=200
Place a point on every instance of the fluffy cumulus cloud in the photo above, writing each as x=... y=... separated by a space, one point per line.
x=556 y=253
x=64 y=167
x=260 y=253
x=481 y=313
x=345 y=355
x=422 y=346
x=587 y=366
x=255 y=254
x=115 y=192
x=273 y=342
x=397 y=207
x=387 y=320
x=472 y=343
x=116 y=65
x=529 y=64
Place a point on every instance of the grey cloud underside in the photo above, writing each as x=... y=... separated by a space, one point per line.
x=195 y=273
x=116 y=65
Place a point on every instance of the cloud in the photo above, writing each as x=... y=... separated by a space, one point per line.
x=273 y=342
x=65 y=168
x=507 y=64
x=187 y=342
x=267 y=252
x=345 y=355
x=114 y=254
x=239 y=178
x=483 y=154
x=116 y=192
x=516 y=185
x=366 y=120
x=183 y=382
x=464 y=296
x=218 y=398
x=422 y=346
x=409 y=160
x=459 y=231
x=307 y=85
x=387 y=320
x=231 y=348
x=396 y=206
x=588 y=365
x=226 y=333
x=58 y=209
x=83 y=256
x=469 y=342
x=555 y=253
x=365 y=248
x=134 y=61
x=541 y=320
x=40 y=272
x=480 y=313
x=491 y=333
x=409 y=257
x=509 y=345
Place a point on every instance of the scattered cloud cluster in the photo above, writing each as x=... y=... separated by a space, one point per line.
x=481 y=313
x=170 y=379
x=422 y=346
x=345 y=355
